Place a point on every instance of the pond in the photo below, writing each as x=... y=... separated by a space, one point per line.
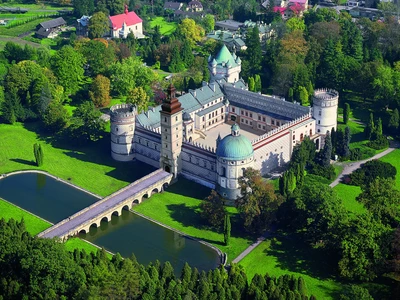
x=54 y=201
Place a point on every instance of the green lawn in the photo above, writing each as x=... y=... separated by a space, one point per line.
x=34 y=225
x=288 y=255
x=348 y=194
x=178 y=207
x=394 y=159
x=166 y=28
x=20 y=29
x=90 y=167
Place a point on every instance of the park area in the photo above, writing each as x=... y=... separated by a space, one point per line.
x=166 y=28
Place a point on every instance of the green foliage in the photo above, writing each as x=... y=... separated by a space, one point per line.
x=251 y=84
x=209 y=23
x=303 y=96
x=290 y=95
x=257 y=83
x=326 y=153
x=346 y=113
x=258 y=204
x=353 y=291
x=213 y=210
x=99 y=25
x=139 y=98
x=100 y=91
x=253 y=51
x=394 y=121
x=227 y=229
x=370 y=171
x=370 y=128
x=67 y=65
x=38 y=153
x=360 y=154
x=56 y=117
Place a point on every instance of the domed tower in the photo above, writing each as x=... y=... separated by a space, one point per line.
x=234 y=154
x=224 y=66
x=122 y=118
x=325 y=106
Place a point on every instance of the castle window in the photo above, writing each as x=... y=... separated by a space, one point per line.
x=319 y=113
x=209 y=123
x=251 y=115
x=272 y=122
x=165 y=119
x=176 y=135
x=310 y=132
x=223 y=172
x=263 y=119
x=176 y=118
x=203 y=119
x=264 y=127
x=166 y=130
x=247 y=114
x=177 y=144
x=116 y=128
x=251 y=123
x=259 y=118
x=222 y=110
x=166 y=136
x=259 y=126
x=294 y=137
x=319 y=122
x=166 y=146
x=233 y=109
x=277 y=123
x=319 y=130
x=242 y=112
x=222 y=117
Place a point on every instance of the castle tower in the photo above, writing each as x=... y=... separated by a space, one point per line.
x=325 y=106
x=171 y=133
x=122 y=118
x=224 y=66
x=188 y=127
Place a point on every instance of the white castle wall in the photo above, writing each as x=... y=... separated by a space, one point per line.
x=122 y=118
x=147 y=146
x=199 y=162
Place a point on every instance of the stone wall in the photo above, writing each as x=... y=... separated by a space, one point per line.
x=147 y=146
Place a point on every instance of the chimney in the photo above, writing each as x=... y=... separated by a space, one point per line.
x=126 y=9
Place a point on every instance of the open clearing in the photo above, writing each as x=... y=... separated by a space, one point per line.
x=166 y=28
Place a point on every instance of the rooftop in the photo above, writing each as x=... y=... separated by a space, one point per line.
x=53 y=23
x=129 y=18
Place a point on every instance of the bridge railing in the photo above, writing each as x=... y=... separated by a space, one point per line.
x=98 y=203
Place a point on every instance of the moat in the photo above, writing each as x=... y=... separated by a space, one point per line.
x=54 y=201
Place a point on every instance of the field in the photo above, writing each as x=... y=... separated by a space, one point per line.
x=33 y=224
x=90 y=167
x=166 y=28
x=348 y=194
x=288 y=255
x=178 y=207
x=394 y=159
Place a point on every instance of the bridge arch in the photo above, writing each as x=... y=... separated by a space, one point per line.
x=82 y=231
x=105 y=219
x=154 y=191
x=145 y=197
x=125 y=207
x=135 y=202
x=115 y=213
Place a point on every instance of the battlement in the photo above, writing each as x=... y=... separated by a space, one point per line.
x=325 y=97
x=119 y=112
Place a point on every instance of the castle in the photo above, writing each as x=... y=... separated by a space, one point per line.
x=212 y=134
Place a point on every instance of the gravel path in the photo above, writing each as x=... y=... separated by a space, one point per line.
x=351 y=167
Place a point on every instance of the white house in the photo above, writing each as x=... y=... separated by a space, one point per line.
x=123 y=24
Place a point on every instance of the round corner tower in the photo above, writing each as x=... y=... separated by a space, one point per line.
x=325 y=106
x=122 y=118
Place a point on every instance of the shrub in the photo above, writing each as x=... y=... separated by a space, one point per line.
x=370 y=171
x=326 y=172
x=360 y=154
x=379 y=143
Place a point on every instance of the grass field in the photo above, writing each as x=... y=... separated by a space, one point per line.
x=33 y=224
x=178 y=207
x=288 y=255
x=348 y=194
x=90 y=167
x=394 y=159
x=166 y=28
x=20 y=29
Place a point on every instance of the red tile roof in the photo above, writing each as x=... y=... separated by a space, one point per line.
x=130 y=18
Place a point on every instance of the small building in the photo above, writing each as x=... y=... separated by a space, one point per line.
x=195 y=6
x=82 y=25
x=232 y=40
x=173 y=5
x=50 y=29
x=230 y=25
x=224 y=66
x=123 y=24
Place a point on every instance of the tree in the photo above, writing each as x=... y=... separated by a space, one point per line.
x=86 y=123
x=38 y=153
x=394 y=121
x=346 y=113
x=251 y=84
x=213 y=210
x=67 y=65
x=227 y=229
x=303 y=96
x=370 y=128
x=253 y=51
x=353 y=291
x=290 y=95
x=83 y=7
x=346 y=142
x=139 y=98
x=100 y=91
x=55 y=117
x=371 y=170
x=257 y=83
x=326 y=153
x=209 y=23
x=188 y=29
x=99 y=25
x=258 y=202
x=295 y=23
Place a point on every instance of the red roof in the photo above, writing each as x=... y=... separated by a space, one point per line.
x=130 y=18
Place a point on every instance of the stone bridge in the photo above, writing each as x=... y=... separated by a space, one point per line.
x=111 y=205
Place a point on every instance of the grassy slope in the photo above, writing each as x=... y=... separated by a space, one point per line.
x=348 y=194
x=166 y=28
x=178 y=207
x=290 y=256
x=34 y=225
x=394 y=159
x=90 y=167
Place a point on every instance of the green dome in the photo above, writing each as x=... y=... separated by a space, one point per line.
x=235 y=146
x=224 y=56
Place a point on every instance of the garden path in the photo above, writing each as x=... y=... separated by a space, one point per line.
x=351 y=167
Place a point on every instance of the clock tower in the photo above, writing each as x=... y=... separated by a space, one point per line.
x=171 y=133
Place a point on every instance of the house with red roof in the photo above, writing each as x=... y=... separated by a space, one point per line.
x=121 y=25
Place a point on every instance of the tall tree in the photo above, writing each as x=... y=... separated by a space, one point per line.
x=253 y=51
x=258 y=202
x=99 y=25
x=86 y=122
x=67 y=65
x=100 y=91
x=370 y=128
x=326 y=153
x=55 y=117
x=213 y=210
x=227 y=229
x=139 y=98
x=394 y=121
x=209 y=23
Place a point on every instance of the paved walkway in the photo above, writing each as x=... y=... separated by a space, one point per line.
x=351 y=167
x=68 y=225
